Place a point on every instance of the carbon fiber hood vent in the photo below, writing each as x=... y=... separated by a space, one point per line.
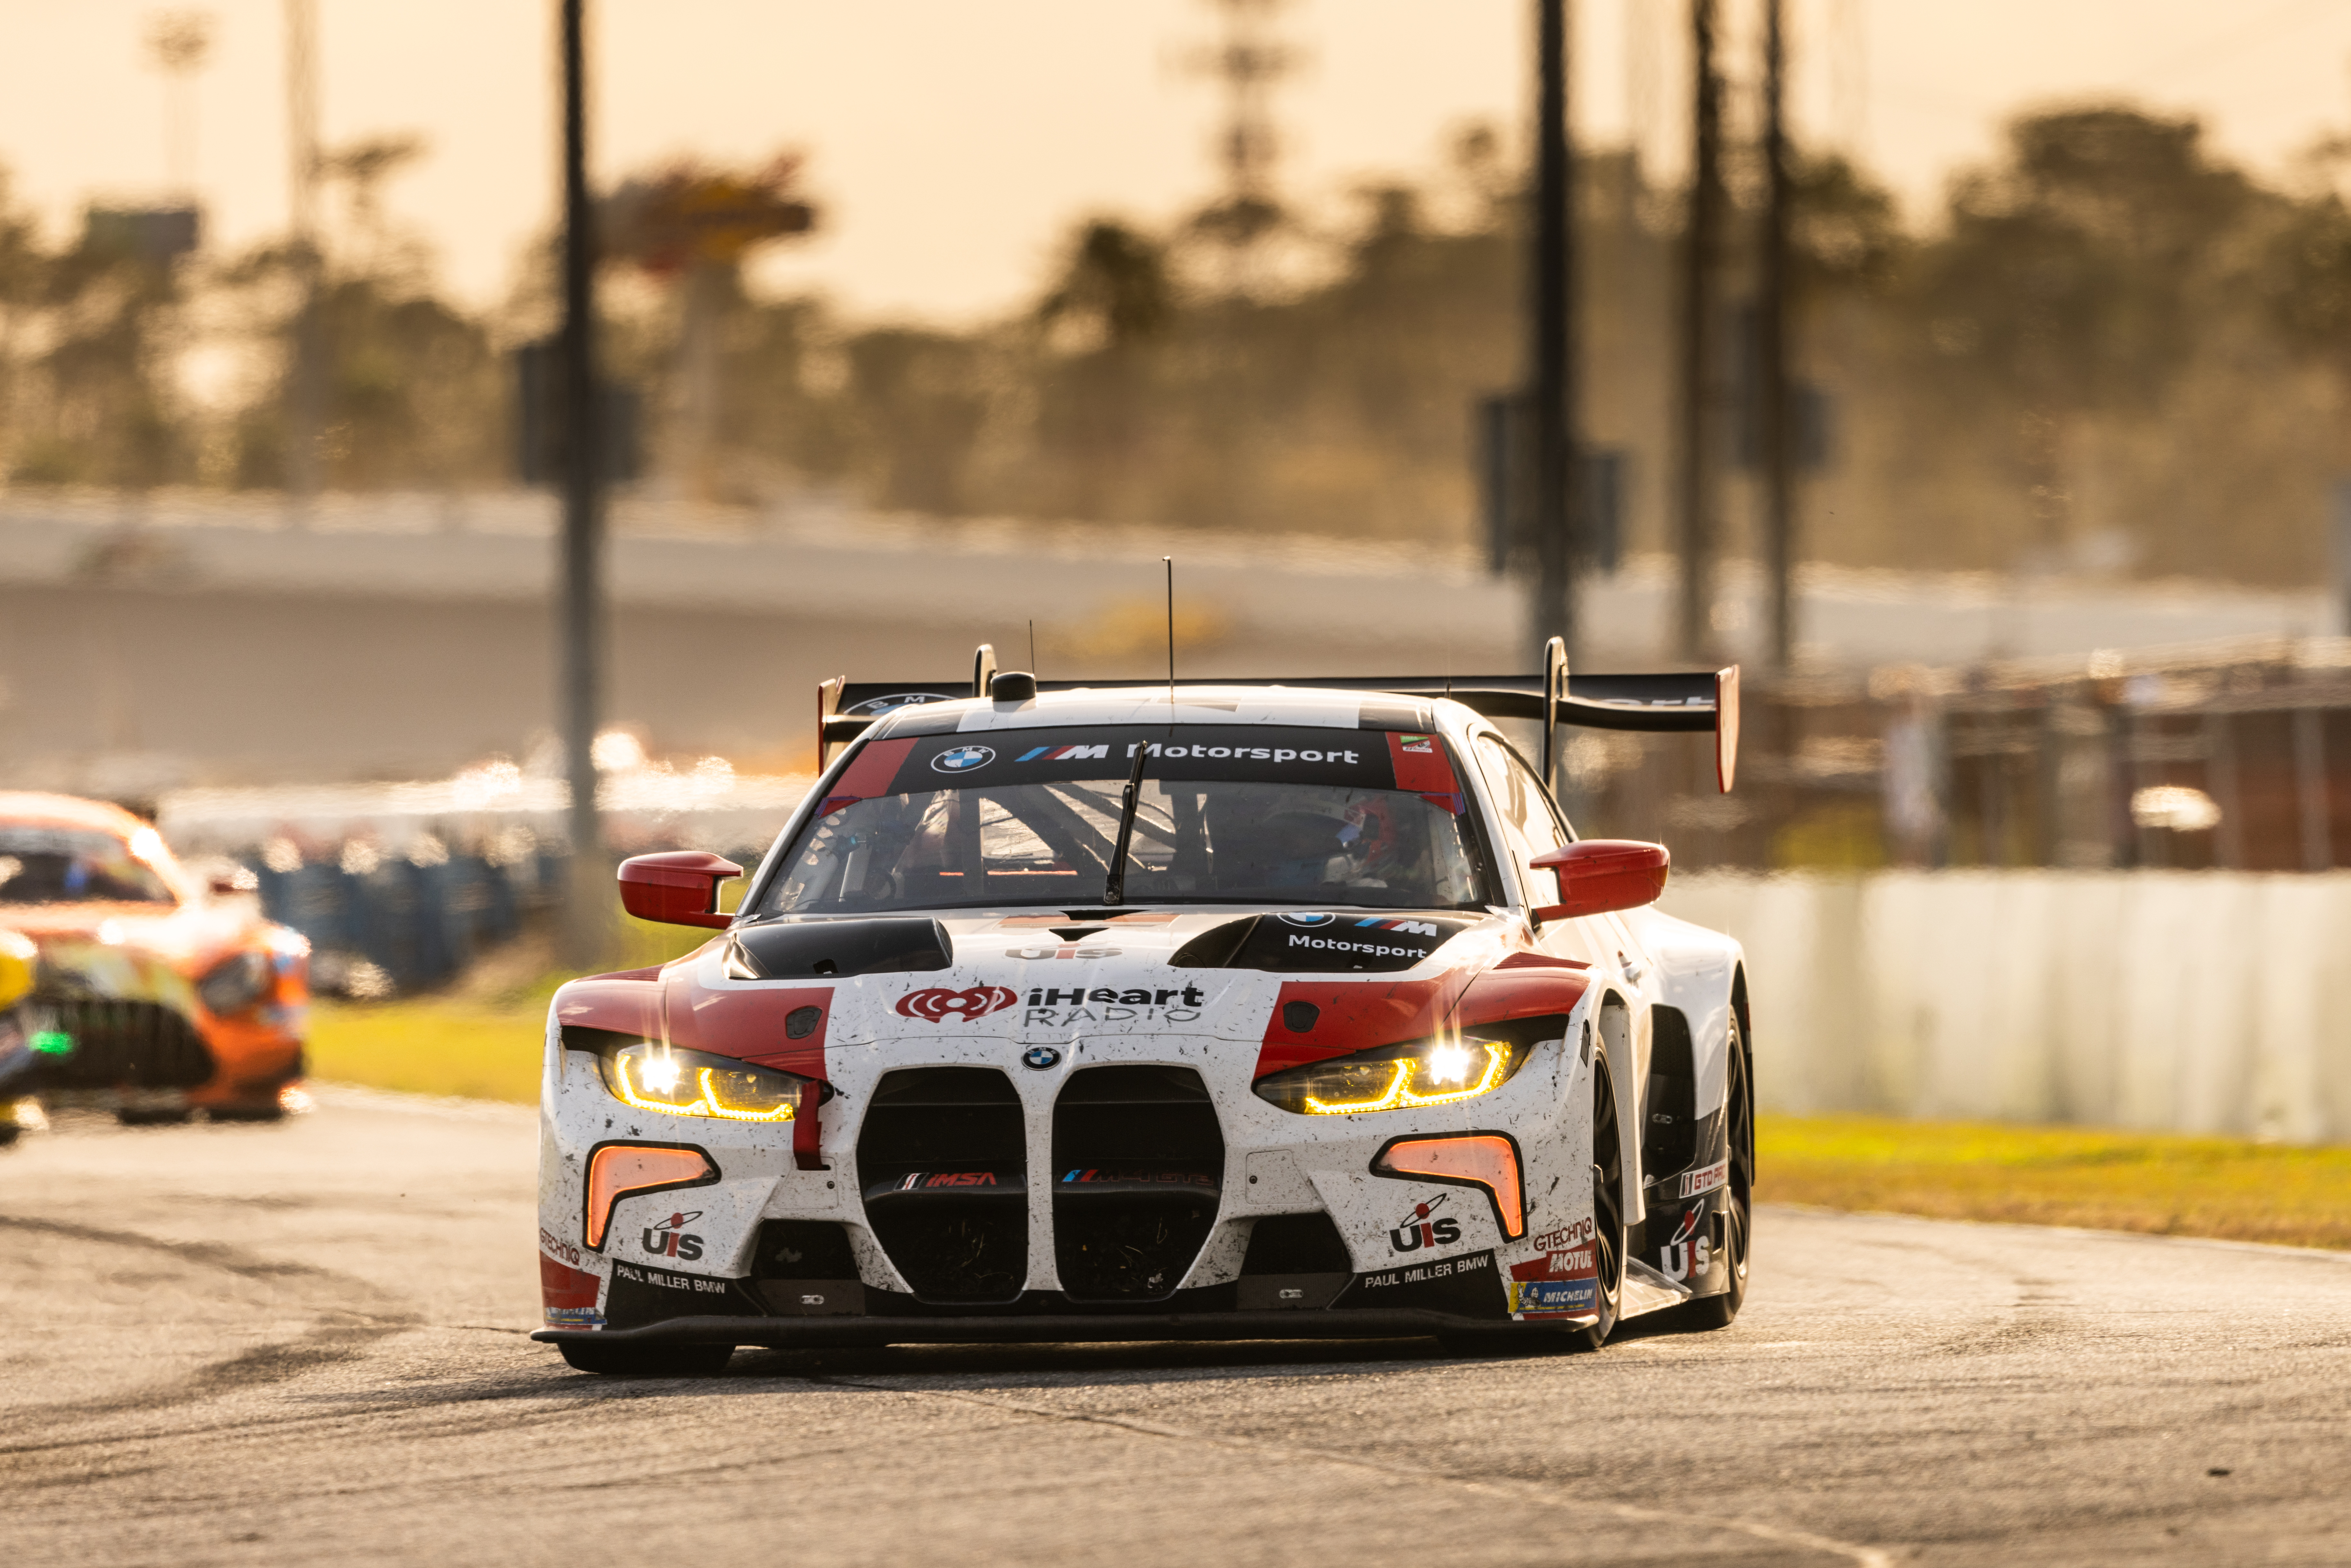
x=824 y=949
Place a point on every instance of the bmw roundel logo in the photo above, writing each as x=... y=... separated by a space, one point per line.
x=963 y=758
x=1307 y=918
x=1042 y=1057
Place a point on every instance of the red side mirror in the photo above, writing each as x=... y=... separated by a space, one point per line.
x=680 y=888
x=1599 y=876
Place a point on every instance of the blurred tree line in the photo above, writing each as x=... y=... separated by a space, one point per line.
x=2108 y=351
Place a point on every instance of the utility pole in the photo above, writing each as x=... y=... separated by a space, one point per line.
x=1250 y=61
x=1773 y=424
x=1696 y=523
x=579 y=674
x=178 y=41
x=1552 y=351
x=307 y=375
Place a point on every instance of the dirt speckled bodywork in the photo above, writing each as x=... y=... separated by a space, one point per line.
x=1057 y=1121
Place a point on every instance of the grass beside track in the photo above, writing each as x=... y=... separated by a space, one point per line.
x=482 y=1050
x=487 y=1047
x=2162 y=1184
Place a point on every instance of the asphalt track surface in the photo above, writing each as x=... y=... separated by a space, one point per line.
x=305 y=1343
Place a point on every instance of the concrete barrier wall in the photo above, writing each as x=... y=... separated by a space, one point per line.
x=2192 y=1002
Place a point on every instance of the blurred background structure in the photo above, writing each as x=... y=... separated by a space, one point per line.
x=2010 y=456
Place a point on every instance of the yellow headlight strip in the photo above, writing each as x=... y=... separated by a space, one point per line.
x=1398 y=1095
x=707 y=1103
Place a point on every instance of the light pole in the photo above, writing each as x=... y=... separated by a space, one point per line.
x=1696 y=523
x=304 y=415
x=580 y=668
x=1552 y=357
x=1773 y=423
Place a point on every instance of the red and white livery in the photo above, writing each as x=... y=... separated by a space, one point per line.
x=1248 y=1009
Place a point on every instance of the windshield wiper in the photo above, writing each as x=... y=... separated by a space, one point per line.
x=1114 y=888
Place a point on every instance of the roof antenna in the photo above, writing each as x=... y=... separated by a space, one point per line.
x=1169 y=562
x=1032 y=646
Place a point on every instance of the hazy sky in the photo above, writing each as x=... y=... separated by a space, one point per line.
x=952 y=143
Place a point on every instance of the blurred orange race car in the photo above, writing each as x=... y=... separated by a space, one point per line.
x=156 y=994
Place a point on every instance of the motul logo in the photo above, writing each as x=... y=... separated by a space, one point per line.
x=938 y=1003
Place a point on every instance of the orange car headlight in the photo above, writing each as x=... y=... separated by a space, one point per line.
x=619 y=1170
x=236 y=982
x=1488 y=1161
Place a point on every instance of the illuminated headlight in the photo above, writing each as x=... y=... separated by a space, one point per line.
x=235 y=983
x=1440 y=1071
x=653 y=1077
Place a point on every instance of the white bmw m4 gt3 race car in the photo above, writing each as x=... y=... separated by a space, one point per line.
x=1145 y=1011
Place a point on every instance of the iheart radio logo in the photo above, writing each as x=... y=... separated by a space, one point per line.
x=937 y=1003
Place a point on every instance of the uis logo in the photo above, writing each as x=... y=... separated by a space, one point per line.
x=1686 y=1255
x=940 y=1003
x=1306 y=917
x=963 y=758
x=1418 y=745
x=668 y=1239
x=1421 y=1230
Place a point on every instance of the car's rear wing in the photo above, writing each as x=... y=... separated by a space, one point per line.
x=1693 y=701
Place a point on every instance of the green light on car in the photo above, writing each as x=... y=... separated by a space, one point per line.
x=52 y=1042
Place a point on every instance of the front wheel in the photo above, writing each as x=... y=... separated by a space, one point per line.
x=647 y=1359
x=1608 y=1206
x=1738 y=1207
x=254 y=1111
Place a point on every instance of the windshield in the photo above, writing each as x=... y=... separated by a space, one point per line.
x=1248 y=814
x=73 y=866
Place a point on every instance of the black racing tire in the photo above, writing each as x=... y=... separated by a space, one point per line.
x=259 y=1110
x=1608 y=1227
x=647 y=1359
x=1719 y=1312
x=153 y=1116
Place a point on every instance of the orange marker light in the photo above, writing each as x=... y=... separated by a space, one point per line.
x=1487 y=1160
x=616 y=1171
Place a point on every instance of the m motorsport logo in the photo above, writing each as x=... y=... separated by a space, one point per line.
x=1064 y=753
x=667 y=1239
